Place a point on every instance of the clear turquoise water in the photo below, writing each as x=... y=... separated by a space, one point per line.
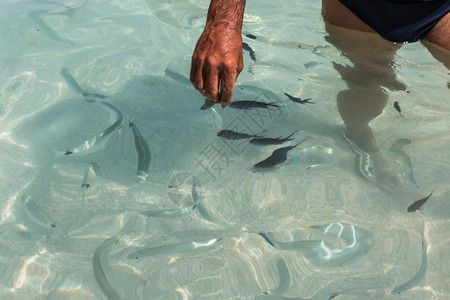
x=204 y=225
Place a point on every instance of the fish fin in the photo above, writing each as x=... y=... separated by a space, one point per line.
x=292 y=98
x=259 y=134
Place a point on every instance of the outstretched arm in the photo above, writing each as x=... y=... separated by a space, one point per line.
x=217 y=59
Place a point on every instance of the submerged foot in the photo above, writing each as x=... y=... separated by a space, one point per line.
x=379 y=167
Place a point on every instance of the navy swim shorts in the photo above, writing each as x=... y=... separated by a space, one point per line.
x=399 y=21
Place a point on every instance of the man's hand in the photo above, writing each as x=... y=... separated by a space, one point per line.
x=217 y=59
x=217 y=62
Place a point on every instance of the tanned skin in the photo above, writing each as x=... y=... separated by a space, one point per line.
x=217 y=59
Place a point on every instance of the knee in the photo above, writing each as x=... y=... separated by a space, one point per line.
x=335 y=13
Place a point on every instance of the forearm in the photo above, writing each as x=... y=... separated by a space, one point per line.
x=226 y=11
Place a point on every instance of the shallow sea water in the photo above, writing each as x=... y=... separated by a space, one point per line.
x=86 y=85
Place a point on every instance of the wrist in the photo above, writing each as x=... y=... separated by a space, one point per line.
x=227 y=13
x=224 y=26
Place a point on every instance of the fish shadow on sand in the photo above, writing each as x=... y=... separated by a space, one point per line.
x=95 y=127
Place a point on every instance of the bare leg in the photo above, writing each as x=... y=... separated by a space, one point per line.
x=364 y=100
x=372 y=57
x=438 y=41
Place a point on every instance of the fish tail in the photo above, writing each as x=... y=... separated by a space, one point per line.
x=299 y=142
x=292 y=134
x=307 y=101
x=128 y=227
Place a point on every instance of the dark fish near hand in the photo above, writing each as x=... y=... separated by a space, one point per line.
x=207 y=104
x=397 y=108
x=250 y=36
x=143 y=152
x=271 y=141
x=419 y=203
x=233 y=135
x=247 y=104
x=246 y=47
x=299 y=100
x=277 y=157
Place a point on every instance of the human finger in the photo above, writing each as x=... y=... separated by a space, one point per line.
x=227 y=83
x=212 y=83
x=193 y=69
x=197 y=75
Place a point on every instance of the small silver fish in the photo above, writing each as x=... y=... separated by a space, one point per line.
x=419 y=203
x=176 y=212
x=90 y=174
x=277 y=157
x=74 y=84
x=14 y=235
x=169 y=213
x=143 y=151
x=101 y=265
x=173 y=249
x=320 y=252
x=397 y=149
x=285 y=279
x=38 y=19
x=96 y=142
x=413 y=281
x=37 y=214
